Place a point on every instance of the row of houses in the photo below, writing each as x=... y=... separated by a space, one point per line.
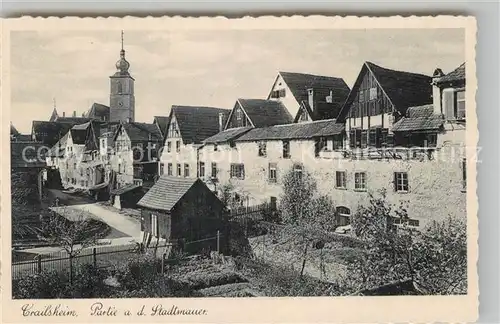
x=395 y=131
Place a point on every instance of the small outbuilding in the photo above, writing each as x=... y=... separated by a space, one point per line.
x=183 y=210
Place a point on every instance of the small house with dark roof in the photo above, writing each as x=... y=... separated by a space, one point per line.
x=379 y=98
x=188 y=127
x=258 y=113
x=449 y=94
x=49 y=133
x=135 y=155
x=309 y=97
x=97 y=112
x=181 y=210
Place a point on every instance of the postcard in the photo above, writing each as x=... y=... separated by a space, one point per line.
x=219 y=170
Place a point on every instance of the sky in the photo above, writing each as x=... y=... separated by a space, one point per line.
x=208 y=68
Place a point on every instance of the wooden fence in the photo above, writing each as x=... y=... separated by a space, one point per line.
x=99 y=257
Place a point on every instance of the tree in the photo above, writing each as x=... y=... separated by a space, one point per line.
x=302 y=208
x=434 y=259
x=72 y=236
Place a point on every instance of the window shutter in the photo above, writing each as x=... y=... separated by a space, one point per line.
x=352 y=139
x=395 y=181
x=449 y=103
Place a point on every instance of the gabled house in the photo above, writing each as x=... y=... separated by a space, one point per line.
x=309 y=97
x=257 y=113
x=162 y=123
x=379 y=98
x=188 y=127
x=135 y=156
x=182 y=209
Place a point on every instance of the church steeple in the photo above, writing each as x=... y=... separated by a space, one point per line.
x=122 y=99
x=122 y=65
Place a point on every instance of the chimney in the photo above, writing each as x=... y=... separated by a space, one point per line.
x=221 y=122
x=64 y=114
x=310 y=94
x=436 y=91
x=74 y=113
x=329 y=99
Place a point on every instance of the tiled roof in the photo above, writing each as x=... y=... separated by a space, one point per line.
x=419 y=119
x=404 y=89
x=456 y=75
x=265 y=113
x=72 y=120
x=162 y=122
x=97 y=111
x=294 y=131
x=22 y=138
x=299 y=83
x=227 y=135
x=81 y=126
x=50 y=132
x=79 y=136
x=21 y=158
x=323 y=110
x=142 y=131
x=166 y=192
x=198 y=123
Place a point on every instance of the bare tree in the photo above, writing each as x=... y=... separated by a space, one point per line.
x=309 y=214
x=71 y=235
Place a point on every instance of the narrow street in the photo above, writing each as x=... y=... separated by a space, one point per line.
x=113 y=218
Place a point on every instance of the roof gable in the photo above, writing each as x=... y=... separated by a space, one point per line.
x=402 y=89
x=300 y=83
x=196 y=123
x=323 y=110
x=54 y=115
x=139 y=132
x=162 y=122
x=263 y=113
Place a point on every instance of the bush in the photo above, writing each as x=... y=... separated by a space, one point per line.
x=88 y=282
x=207 y=278
x=137 y=271
x=48 y=284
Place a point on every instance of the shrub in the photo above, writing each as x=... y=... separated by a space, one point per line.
x=48 y=284
x=88 y=282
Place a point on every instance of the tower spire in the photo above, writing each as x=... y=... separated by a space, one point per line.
x=122 y=65
x=122 y=41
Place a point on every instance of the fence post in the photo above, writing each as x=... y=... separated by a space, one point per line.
x=94 y=257
x=39 y=263
x=218 y=241
x=163 y=262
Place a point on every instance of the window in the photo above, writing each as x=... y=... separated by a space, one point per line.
x=340 y=180
x=154 y=225
x=272 y=172
x=364 y=138
x=202 y=169
x=178 y=146
x=360 y=181
x=373 y=93
x=238 y=170
x=278 y=93
x=338 y=143
x=372 y=137
x=119 y=167
x=344 y=215
x=179 y=170
x=320 y=145
x=239 y=115
x=169 y=169
x=162 y=168
x=186 y=170
x=286 y=149
x=262 y=148
x=169 y=146
x=232 y=144
x=361 y=96
x=460 y=105
x=464 y=174
x=297 y=171
x=401 y=181
x=215 y=147
x=214 y=170
x=173 y=131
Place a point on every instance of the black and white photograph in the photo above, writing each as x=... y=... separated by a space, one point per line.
x=258 y=162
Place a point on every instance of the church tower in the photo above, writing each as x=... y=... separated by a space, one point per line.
x=121 y=99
